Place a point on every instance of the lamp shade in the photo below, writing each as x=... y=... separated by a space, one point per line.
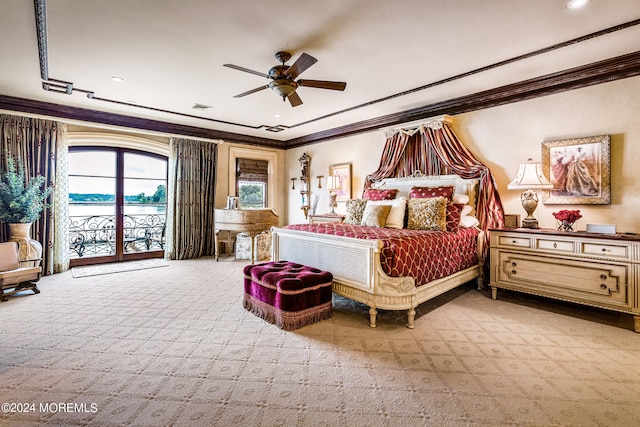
x=333 y=182
x=530 y=176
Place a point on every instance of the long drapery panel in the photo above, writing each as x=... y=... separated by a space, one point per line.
x=39 y=144
x=191 y=197
x=434 y=149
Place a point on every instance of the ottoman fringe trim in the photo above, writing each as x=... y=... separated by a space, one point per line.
x=287 y=320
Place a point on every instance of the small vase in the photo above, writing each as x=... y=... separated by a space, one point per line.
x=565 y=226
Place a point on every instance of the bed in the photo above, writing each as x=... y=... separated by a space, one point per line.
x=367 y=262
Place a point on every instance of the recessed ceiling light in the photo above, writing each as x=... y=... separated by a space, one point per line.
x=276 y=115
x=577 y=4
x=117 y=79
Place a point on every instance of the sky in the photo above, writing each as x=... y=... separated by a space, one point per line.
x=94 y=172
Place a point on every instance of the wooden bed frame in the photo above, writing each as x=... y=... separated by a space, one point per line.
x=355 y=263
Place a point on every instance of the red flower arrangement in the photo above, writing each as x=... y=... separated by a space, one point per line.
x=567 y=215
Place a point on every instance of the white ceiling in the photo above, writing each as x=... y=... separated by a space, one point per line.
x=171 y=53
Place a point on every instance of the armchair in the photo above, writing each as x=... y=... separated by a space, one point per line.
x=16 y=275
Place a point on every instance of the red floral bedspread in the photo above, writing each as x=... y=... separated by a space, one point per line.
x=423 y=255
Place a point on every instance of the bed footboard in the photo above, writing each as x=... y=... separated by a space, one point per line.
x=358 y=275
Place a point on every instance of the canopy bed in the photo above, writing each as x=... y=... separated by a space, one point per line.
x=398 y=267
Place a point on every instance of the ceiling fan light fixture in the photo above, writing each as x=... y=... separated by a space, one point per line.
x=283 y=87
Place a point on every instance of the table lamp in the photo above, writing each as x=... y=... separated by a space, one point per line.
x=530 y=178
x=333 y=183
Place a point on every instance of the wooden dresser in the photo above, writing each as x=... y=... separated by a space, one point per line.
x=249 y=221
x=600 y=270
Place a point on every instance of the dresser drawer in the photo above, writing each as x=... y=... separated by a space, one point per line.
x=605 y=249
x=600 y=283
x=516 y=242
x=555 y=245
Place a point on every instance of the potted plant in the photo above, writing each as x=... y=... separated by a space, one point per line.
x=21 y=203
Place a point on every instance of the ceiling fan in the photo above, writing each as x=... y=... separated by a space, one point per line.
x=283 y=78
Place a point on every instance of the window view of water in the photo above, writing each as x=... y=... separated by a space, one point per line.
x=90 y=209
x=95 y=176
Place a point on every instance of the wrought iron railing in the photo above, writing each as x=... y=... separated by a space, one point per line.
x=96 y=234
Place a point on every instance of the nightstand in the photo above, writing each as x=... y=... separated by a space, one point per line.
x=326 y=218
x=600 y=270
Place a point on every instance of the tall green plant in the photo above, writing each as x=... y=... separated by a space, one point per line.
x=21 y=201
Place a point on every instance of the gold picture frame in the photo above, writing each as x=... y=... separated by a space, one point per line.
x=579 y=169
x=343 y=172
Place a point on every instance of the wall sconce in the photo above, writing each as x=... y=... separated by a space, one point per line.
x=530 y=177
x=293 y=183
x=320 y=180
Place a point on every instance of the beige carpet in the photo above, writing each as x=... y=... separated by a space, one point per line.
x=174 y=347
x=117 y=267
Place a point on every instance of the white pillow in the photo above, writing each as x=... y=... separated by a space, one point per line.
x=462 y=199
x=469 y=221
x=466 y=210
x=395 y=219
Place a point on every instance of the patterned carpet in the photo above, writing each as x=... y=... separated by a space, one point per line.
x=174 y=347
x=117 y=267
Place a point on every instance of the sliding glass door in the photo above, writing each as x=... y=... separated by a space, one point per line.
x=117 y=205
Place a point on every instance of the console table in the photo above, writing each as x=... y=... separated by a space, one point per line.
x=326 y=218
x=248 y=221
x=600 y=270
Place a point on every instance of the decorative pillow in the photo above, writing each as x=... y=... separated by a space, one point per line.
x=375 y=215
x=355 y=209
x=469 y=221
x=460 y=198
x=429 y=192
x=428 y=214
x=396 y=215
x=376 y=194
x=466 y=210
x=453 y=217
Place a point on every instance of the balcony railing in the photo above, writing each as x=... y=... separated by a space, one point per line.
x=96 y=235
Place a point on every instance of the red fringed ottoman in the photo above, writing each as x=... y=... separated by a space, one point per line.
x=287 y=294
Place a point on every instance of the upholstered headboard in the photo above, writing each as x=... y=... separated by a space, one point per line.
x=404 y=185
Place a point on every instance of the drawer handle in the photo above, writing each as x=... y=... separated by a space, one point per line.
x=603 y=277
x=513 y=272
x=515 y=241
x=513 y=264
x=604 y=249
x=603 y=286
x=555 y=245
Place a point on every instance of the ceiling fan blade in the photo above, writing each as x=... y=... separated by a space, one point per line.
x=305 y=61
x=249 y=92
x=322 y=84
x=294 y=99
x=246 y=70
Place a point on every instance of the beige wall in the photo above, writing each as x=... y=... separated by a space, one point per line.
x=502 y=137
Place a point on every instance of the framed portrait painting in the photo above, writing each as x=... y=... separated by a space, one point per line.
x=343 y=172
x=579 y=169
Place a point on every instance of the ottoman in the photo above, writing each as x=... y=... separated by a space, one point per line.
x=287 y=294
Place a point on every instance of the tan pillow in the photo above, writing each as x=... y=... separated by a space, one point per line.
x=375 y=215
x=428 y=214
x=395 y=219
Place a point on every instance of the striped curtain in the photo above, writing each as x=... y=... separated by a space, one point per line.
x=392 y=154
x=191 y=197
x=434 y=149
x=39 y=144
x=458 y=159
